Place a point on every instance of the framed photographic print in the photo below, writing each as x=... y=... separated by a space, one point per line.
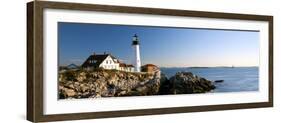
x=97 y=61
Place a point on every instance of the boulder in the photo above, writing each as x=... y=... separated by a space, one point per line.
x=66 y=93
x=165 y=85
x=122 y=93
x=188 y=83
x=84 y=88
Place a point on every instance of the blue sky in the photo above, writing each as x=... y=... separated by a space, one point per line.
x=165 y=47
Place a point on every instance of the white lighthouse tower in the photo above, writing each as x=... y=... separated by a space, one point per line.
x=136 y=58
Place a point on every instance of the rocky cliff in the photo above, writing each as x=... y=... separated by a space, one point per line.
x=112 y=83
x=106 y=83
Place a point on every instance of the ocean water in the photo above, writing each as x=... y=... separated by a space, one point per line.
x=237 y=79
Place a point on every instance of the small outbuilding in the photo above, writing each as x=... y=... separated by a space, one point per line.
x=150 y=68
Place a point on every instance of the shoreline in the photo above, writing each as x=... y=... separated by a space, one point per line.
x=106 y=83
x=216 y=67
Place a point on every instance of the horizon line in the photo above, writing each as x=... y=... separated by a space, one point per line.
x=204 y=66
x=186 y=66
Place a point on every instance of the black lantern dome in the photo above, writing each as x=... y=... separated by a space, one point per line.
x=135 y=40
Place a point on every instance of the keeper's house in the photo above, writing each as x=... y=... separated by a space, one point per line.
x=106 y=61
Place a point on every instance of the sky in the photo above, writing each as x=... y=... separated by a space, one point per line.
x=162 y=46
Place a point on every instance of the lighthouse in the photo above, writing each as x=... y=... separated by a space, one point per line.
x=136 y=49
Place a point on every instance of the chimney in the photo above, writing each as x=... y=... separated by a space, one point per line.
x=94 y=53
x=104 y=53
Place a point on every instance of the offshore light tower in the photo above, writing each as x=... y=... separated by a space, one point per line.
x=136 y=58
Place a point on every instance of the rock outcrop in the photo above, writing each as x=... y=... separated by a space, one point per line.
x=76 y=84
x=185 y=83
x=106 y=83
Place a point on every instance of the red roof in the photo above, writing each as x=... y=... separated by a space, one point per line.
x=122 y=65
x=129 y=65
x=150 y=65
